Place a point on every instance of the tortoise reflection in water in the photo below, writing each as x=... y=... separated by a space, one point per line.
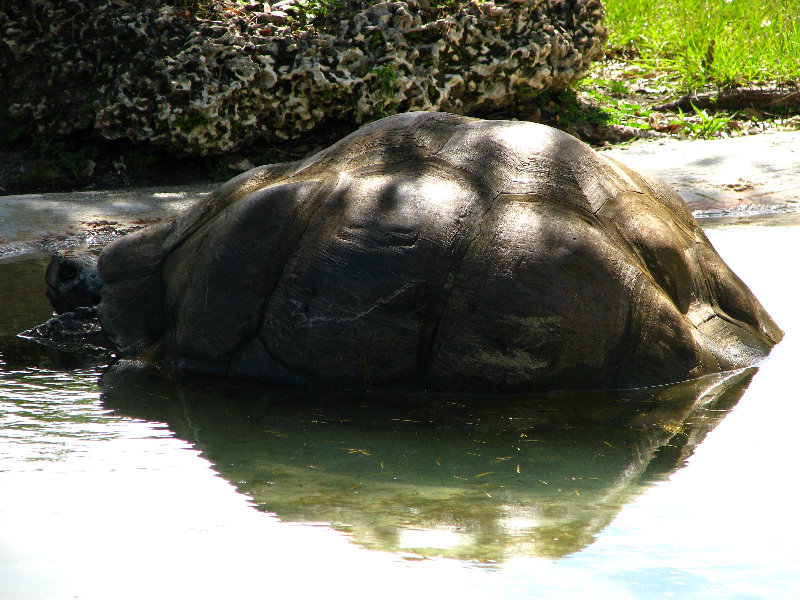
x=478 y=478
x=442 y=252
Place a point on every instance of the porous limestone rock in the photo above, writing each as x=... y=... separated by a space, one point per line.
x=143 y=70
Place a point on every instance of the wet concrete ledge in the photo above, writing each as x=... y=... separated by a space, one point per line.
x=42 y=222
x=717 y=178
x=759 y=173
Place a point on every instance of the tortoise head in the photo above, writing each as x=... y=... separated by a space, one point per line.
x=72 y=281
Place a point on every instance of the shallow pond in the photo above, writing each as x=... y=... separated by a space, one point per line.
x=119 y=485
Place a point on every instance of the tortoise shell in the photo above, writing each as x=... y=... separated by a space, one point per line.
x=442 y=252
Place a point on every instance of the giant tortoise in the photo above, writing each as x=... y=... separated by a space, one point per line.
x=439 y=252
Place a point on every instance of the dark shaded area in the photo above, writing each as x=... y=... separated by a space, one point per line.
x=41 y=163
x=738 y=98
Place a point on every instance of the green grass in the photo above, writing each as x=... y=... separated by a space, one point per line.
x=703 y=42
x=704 y=124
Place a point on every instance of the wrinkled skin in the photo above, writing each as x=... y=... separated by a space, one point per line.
x=442 y=252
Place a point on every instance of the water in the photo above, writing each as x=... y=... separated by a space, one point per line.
x=119 y=485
